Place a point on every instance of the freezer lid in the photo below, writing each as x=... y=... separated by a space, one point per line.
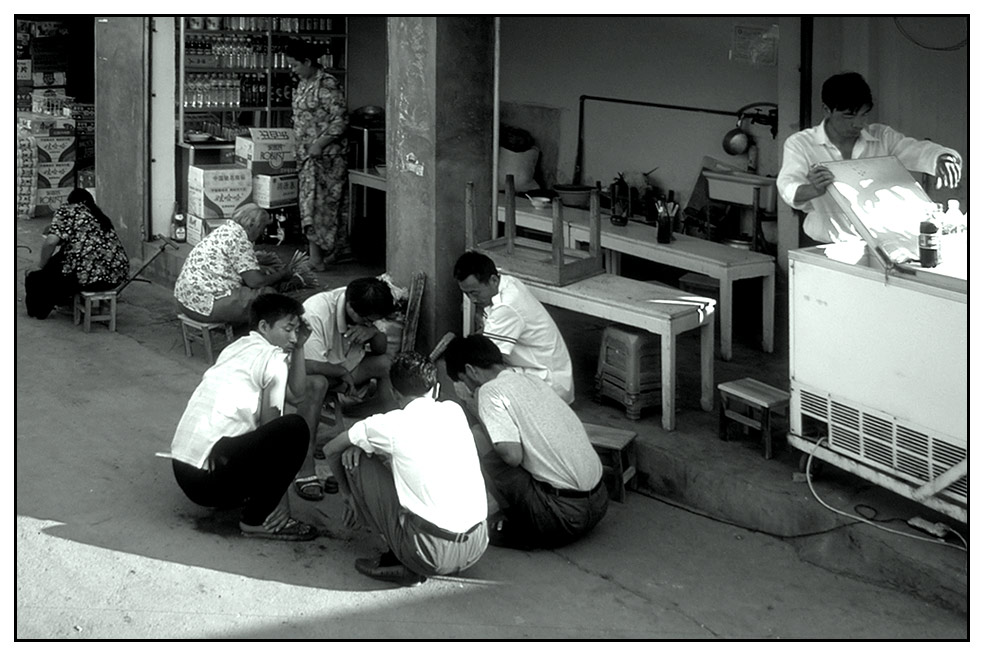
x=883 y=203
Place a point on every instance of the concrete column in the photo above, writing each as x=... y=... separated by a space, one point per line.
x=439 y=120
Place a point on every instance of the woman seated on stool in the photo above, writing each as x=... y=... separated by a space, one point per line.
x=221 y=276
x=89 y=256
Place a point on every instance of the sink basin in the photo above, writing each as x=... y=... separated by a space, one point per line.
x=737 y=187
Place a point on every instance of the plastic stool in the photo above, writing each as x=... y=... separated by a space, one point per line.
x=193 y=330
x=616 y=448
x=628 y=369
x=88 y=307
x=751 y=403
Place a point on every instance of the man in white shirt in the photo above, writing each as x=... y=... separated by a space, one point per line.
x=845 y=134
x=345 y=353
x=509 y=315
x=413 y=476
x=540 y=467
x=233 y=445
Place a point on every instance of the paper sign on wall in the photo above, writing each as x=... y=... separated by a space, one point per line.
x=755 y=44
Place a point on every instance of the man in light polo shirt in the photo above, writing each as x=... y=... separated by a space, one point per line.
x=345 y=353
x=509 y=315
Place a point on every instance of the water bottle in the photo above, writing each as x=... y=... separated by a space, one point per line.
x=929 y=243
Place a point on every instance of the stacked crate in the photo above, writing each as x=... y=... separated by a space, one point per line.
x=84 y=115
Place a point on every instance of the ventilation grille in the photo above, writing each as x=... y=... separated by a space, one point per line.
x=881 y=441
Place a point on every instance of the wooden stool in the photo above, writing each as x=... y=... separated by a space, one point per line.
x=618 y=456
x=751 y=403
x=88 y=306
x=628 y=369
x=193 y=330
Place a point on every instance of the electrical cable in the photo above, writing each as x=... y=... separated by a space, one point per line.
x=956 y=46
x=935 y=541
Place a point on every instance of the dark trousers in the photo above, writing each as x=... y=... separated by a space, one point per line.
x=375 y=496
x=537 y=516
x=251 y=470
x=45 y=288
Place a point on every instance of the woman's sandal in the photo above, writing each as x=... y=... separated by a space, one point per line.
x=331 y=485
x=292 y=530
x=309 y=488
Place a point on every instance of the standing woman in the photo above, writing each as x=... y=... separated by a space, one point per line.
x=320 y=124
x=89 y=256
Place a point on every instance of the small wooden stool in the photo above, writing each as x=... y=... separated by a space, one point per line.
x=88 y=307
x=616 y=448
x=193 y=330
x=751 y=403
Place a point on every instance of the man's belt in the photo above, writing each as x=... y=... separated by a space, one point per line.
x=438 y=532
x=568 y=494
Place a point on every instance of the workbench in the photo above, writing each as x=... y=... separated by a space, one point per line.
x=659 y=309
x=716 y=260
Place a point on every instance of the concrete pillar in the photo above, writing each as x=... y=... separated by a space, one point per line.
x=439 y=121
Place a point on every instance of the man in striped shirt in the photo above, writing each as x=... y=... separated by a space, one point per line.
x=508 y=314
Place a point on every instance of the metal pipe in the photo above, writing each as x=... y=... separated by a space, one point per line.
x=579 y=158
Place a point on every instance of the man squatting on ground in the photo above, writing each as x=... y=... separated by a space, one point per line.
x=508 y=314
x=413 y=475
x=344 y=353
x=233 y=445
x=540 y=466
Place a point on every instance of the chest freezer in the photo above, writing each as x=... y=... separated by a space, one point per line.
x=879 y=365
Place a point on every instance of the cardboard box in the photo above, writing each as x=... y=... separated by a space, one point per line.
x=85 y=148
x=275 y=191
x=86 y=178
x=56 y=174
x=215 y=191
x=24 y=71
x=267 y=151
x=58 y=148
x=197 y=228
x=22 y=98
x=46 y=124
x=47 y=200
x=48 y=78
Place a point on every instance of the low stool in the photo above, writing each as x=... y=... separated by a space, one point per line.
x=88 y=307
x=629 y=369
x=199 y=332
x=751 y=404
x=617 y=451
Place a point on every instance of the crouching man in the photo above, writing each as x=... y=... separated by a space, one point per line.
x=540 y=467
x=413 y=476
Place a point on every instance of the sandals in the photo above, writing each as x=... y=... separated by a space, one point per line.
x=309 y=488
x=292 y=530
x=331 y=485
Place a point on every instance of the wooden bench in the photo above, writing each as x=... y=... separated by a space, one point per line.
x=751 y=403
x=655 y=308
x=724 y=263
x=617 y=451
x=193 y=331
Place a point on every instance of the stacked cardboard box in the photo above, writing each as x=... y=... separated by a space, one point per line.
x=84 y=115
x=269 y=155
x=214 y=194
x=24 y=70
x=26 y=176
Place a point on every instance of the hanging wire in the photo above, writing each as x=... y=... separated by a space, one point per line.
x=905 y=33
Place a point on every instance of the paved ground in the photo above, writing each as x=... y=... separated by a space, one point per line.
x=107 y=547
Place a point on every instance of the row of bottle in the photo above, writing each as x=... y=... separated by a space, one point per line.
x=232 y=90
x=328 y=60
x=241 y=52
x=293 y=24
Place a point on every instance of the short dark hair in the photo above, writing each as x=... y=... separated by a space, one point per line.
x=846 y=91
x=477 y=350
x=301 y=50
x=474 y=263
x=370 y=296
x=412 y=374
x=271 y=307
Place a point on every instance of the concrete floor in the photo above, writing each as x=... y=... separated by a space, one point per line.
x=109 y=548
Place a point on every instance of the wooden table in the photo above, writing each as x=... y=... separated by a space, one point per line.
x=367 y=178
x=658 y=309
x=724 y=263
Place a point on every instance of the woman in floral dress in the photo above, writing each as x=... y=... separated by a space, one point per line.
x=80 y=252
x=320 y=124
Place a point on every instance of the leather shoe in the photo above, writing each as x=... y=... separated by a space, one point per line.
x=398 y=574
